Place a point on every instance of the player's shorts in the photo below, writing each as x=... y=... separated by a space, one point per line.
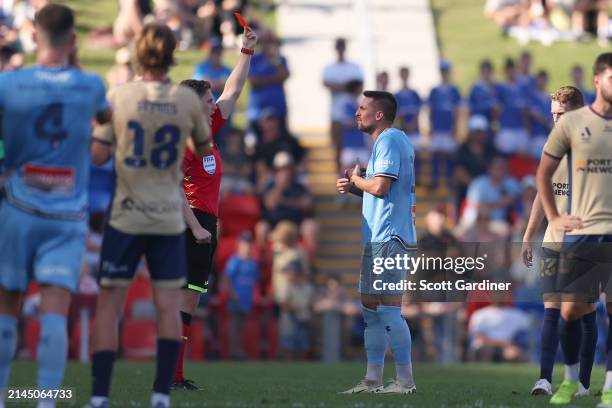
x=200 y=256
x=508 y=141
x=47 y=250
x=121 y=254
x=442 y=142
x=375 y=277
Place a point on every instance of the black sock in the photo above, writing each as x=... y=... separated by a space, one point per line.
x=186 y=318
x=570 y=335
x=549 y=342
x=101 y=372
x=167 y=356
x=587 y=348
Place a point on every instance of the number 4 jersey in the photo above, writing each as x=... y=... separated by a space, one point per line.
x=46 y=125
x=151 y=123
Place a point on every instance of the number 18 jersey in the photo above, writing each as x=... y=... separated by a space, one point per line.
x=46 y=125
x=151 y=123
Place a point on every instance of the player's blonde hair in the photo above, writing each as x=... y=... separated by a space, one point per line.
x=568 y=95
x=155 y=47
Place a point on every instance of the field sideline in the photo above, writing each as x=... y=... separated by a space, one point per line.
x=314 y=385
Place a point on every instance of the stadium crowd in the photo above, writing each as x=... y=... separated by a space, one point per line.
x=482 y=148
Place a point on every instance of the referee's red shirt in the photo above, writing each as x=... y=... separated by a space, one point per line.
x=202 y=180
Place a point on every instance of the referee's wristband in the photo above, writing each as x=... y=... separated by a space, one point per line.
x=247 y=51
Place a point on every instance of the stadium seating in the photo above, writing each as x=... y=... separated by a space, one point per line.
x=139 y=339
x=140 y=289
x=238 y=213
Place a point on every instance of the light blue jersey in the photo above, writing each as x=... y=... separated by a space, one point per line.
x=391 y=216
x=46 y=124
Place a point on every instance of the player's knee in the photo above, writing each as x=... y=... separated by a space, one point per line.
x=573 y=311
x=54 y=300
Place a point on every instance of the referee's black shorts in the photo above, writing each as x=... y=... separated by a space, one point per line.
x=200 y=256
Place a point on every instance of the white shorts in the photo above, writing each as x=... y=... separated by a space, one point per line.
x=510 y=140
x=442 y=142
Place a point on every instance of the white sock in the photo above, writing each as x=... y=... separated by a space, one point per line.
x=160 y=398
x=404 y=373
x=571 y=372
x=46 y=404
x=97 y=400
x=374 y=373
x=608 y=383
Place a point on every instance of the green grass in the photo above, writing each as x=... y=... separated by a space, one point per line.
x=305 y=385
x=466 y=36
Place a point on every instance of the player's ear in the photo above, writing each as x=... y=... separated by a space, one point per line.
x=380 y=115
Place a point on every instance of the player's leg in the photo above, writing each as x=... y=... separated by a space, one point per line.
x=10 y=305
x=549 y=345
x=588 y=346
x=607 y=389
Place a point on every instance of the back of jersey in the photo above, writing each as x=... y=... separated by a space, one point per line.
x=47 y=114
x=151 y=123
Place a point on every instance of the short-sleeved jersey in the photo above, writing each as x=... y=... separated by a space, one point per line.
x=483 y=99
x=202 y=181
x=512 y=103
x=343 y=111
x=443 y=100
x=408 y=105
x=586 y=138
x=553 y=236
x=390 y=216
x=47 y=114
x=151 y=123
x=539 y=103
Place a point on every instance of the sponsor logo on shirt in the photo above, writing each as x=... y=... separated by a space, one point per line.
x=57 y=179
x=561 y=189
x=210 y=164
x=384 y=163
x=152 y=208
x=585 y=135
x=594 y=166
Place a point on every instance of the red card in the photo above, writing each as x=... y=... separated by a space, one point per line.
x=242 y=22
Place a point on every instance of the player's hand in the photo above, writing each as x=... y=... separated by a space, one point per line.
x=566 y=223
x=249 y=39
x=527 y=254
x=201 y=235
x=343 y=185
x=356 y=171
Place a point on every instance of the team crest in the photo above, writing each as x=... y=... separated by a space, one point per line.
x=586 y=135
x=210 y=164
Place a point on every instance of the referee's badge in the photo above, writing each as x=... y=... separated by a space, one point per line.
x=210 y=164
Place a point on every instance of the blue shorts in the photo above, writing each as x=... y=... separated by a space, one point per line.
x=374 y=277
x=47 y=250
x=121 y=254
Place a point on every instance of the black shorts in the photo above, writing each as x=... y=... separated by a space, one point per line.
x=200 y=256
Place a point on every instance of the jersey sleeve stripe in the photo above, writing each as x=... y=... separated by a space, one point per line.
x=552 y=156
x=393 y=176
x=104 y=142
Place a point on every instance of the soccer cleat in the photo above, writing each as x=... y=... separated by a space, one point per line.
x=582 y=392
x=397 y=387
x=184 y=384
x=565 y=393
x=542 y=387
x=606 y=400
x=365 y=387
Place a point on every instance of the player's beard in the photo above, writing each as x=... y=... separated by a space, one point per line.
x=607 y=95
x=365 y=129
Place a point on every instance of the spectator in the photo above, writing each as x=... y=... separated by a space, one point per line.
x=525 y=79
x=495 y=191
x=338 y=74
x=473 y=157
x=212 y=69
x=352 y=145
x=577 y=75
x=444 y=102
x=483 y=95
x=513 y=121
x=23 y=21
x=268 y=73
x=285 y=250
x=130 y=20
x=539 y=110
x=237 y=168
x=296 y=314
x=497 y=333
x=408 y=107
x=273 y=140
x=382 y=81
x=286 y=199
x=122 y=71
x=505 y=13
x=241 y=277
x=438 y=240
x=601 y=8
x=522 y=209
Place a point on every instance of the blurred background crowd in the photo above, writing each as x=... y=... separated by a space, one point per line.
x=271 y=297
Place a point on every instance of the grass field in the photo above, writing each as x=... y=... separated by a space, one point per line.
x=314 y=385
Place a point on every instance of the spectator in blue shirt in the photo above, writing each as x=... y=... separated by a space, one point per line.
x=409 y=105
x=525 y=79
x=444 y=102
x=212 y=69
x=513 y=120
x=268 y=73
x=578 y=81
x=540 y=117
x=241 y=277
x=483 y=95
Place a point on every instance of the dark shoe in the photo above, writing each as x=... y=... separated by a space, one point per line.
x=184 y=384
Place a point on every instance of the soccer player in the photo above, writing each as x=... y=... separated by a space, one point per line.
x=152 y=120
x=201 y=184
x=387 y=231
x=584 y=136
x=563 y=100
x=47 y=111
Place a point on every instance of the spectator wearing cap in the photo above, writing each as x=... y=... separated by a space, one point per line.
x=339 y=73
x=483 y=94
x=539 y=111
x=212 y=69
x=513 y=120
x=240 y=279
x=284 y=198
x=268 y=73
x=273 y=140
x=444 y=102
